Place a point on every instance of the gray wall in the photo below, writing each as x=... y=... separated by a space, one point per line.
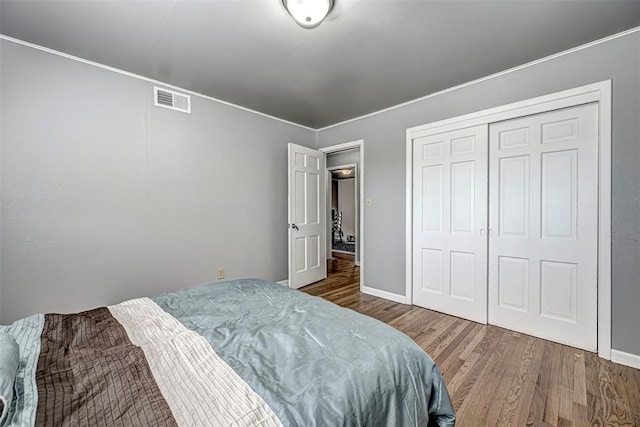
x=384 y=139
x=345 y=157
x=106 y=197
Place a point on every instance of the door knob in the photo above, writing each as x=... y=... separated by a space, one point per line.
x=295 y=227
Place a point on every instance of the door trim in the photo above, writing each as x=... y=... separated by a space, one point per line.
x=346 y=146
x=597 y=92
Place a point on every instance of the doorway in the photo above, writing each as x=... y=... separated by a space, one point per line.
x=343 y=203
x=344 y=207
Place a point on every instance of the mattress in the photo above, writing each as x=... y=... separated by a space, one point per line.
x=243 y=353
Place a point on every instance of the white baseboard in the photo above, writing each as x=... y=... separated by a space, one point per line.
x=627 y=359
x=383 y=294
x=284 y=282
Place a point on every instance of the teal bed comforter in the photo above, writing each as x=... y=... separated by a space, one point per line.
x=313 y=362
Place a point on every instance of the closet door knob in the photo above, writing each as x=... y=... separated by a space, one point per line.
x=482 y=231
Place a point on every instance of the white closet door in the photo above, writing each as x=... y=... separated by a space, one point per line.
x=449 y=222
x=543 y=220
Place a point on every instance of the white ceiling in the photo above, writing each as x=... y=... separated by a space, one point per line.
x=368 y=55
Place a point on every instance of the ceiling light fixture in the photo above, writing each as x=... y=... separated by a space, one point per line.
x=308 y=13
x=346 y=171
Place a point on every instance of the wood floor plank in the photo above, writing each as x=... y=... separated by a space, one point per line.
x=480 y=398
x=414 y=314
x=420 y=325
x=594 y=401
x=446 y=346
x=563 y=422
x=621 y=401
x=454 y=346
x=436 y=342
x=580 y=412
x=463 y=381
x=498 y=377
x=632 y=382
x=580 y=380
x=552 y=407
x=523 y=385
x=504 y=377
x=474 y=342
x=565 y=409
x=615 y=409
x=543 y=380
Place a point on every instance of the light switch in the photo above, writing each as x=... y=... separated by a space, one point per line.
x=367 y=202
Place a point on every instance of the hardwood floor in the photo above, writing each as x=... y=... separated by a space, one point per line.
x=498 y=377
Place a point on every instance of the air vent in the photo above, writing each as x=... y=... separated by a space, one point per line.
x=169 y=99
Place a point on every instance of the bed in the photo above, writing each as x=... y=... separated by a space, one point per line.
x=242 y=353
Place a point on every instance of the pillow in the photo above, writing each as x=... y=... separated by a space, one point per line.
x=9 y=361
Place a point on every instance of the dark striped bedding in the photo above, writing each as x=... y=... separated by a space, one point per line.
x=89 y=374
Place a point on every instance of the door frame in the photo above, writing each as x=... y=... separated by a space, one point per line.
x=599 y=92
x=332 y=149
x=357 y=202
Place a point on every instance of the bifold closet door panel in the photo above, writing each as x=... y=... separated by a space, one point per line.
x=543 y=173
x=450 y=221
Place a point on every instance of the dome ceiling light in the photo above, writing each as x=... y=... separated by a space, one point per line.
x=308 y=13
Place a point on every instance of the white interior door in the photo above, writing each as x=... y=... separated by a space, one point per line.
x=450 y=221
x=543 y=216
x=307 y=256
